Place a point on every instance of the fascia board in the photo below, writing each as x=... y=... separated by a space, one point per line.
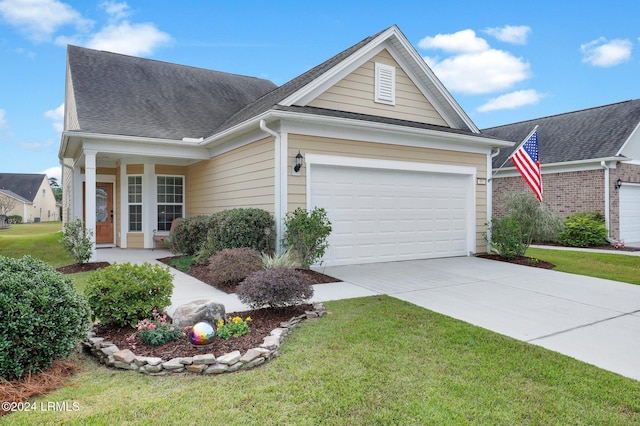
x=564 y=167
x=145 y=147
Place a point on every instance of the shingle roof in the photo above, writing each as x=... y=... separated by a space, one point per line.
x=14 y=195
x=587 y=134
x=24 y=184
x=125 y=95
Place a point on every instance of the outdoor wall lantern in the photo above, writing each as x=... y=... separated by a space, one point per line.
x=298 y=164
x=618 y=183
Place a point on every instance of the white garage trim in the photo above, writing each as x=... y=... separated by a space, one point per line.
x=465 y=176
x=630 y=212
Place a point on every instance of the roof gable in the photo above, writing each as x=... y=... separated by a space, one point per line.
x=125 y=95
x=593 y=133
x=23 y=184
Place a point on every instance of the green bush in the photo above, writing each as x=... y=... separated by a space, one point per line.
x=77 y=240
x=275 y=288
x=14 y=219
x=236 y=228
x=285 y=259
x=42 y=317
x=189 y=234
x=123 y=294
x=507 y=237
x=234 y=265
x=306 y=234
x=583 y=230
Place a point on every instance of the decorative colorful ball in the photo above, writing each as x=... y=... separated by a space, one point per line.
x=202 y=334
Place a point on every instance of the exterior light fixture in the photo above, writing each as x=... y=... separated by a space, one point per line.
x=298 y=164
x=618 y=183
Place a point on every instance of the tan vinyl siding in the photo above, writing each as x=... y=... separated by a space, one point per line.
x=135 y=240
x=70 y=111
x=355 y=93
x=243 y=177
x=135 y=169
x=163 y=169
x=110 y=171
x=348 y=148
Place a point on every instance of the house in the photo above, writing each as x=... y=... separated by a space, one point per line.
x=590 y=162
x=384 y=148
x=34 y=199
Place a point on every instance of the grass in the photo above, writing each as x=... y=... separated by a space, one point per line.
x=375 y=360
x=40 y=240
x=612 y=266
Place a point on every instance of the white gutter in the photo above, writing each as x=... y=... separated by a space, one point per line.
x=490 y=158
x=607 y=208
x=278 y=187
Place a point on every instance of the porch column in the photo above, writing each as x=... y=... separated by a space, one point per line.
x=90 y=197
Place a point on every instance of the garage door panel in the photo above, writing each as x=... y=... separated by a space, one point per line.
x=383 y=215
x=630 y=213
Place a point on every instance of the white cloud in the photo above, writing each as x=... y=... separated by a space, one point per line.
x=483 y=72
x=57 y=115
x=510 y=33
x=39 y=19
x=53 y=172
x=464 y=41
x=512 y=100
x=117 y=11
x=129 y=39
x=3 y=120
x=603 y=53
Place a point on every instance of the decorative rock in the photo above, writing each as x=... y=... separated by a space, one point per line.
x=204 y=359
x=197 y=311
x=235 y=367
x=311 y=314
x=216 y=369
x=250 y=355
x=173 y=364
x=186 y=360
x=109 y=350
x=271 y=342
x=146 y=360
x=94 y=340
x=125 y=355
x=279 y=332
x=151 y=368
x=230 y=358
x=199 y=368
x=256 y=362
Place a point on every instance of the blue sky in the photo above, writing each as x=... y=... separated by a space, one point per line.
x=503 y=61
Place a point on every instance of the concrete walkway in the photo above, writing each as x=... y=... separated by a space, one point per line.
x=596 y=321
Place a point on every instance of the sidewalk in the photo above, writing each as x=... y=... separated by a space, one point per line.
x=625 y=252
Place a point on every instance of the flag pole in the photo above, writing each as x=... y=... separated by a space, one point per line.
x=515 y=150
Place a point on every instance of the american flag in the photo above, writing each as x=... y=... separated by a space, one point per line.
x=527 y=162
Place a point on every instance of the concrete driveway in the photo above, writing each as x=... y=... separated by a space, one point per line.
x=596 y=321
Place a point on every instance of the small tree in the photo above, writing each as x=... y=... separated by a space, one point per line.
x=77 y=240
x=55 y=188
x=306 y=234
x=527 y=220
x=6 y=205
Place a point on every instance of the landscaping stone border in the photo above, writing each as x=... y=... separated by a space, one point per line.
x=109 y=354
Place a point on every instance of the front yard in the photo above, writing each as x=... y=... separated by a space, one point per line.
x=375 y=360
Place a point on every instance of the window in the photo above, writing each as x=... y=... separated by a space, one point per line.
x=135 y=203
x=385 y=84
x=170 y=200
x=44 y=193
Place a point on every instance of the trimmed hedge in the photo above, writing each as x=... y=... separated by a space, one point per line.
x=42 y=317
x=583 y=230
x=234 y=265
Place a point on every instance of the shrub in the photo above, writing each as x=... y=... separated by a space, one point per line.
x=252 y=228
x=77 y=240
x=508 y=238
x=306 y=234
x=285 y=259
x=274 y=287
x=42 y=318
x=123 y=294
x=234 y=265
x=14 y=219
x=189 y=234
x=583 y=230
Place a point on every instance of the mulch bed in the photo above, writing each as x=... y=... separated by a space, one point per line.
x=82 y=267
x=201 y=272
x=263 y=321
x=521 y=260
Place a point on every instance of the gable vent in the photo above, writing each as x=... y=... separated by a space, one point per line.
x=385 y=91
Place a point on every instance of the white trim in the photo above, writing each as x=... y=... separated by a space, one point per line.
x=385 y=84
x=629 y=139
x=564 y=167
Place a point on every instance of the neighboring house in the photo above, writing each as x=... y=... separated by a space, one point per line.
x=35 y=201
x=384 y=148
x=590 y=162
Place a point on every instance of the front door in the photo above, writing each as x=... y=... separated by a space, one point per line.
x=104 y=213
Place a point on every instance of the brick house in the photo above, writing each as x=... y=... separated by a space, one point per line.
x=590 y=161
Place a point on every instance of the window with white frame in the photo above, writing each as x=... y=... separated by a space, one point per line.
x=170 y=200
x=385 y=90
x=135 y=203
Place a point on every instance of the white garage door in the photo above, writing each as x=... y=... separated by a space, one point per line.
x=382 y=215
x=630 y=213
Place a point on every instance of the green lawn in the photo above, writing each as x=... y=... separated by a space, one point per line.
x=375 y=360
x=37 y=239
x=617 y=267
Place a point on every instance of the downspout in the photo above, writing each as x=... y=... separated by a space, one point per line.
x=278 y=177
x=494 y=153
x=607 y=208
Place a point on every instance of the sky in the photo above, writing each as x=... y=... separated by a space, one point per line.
x=503 y=61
